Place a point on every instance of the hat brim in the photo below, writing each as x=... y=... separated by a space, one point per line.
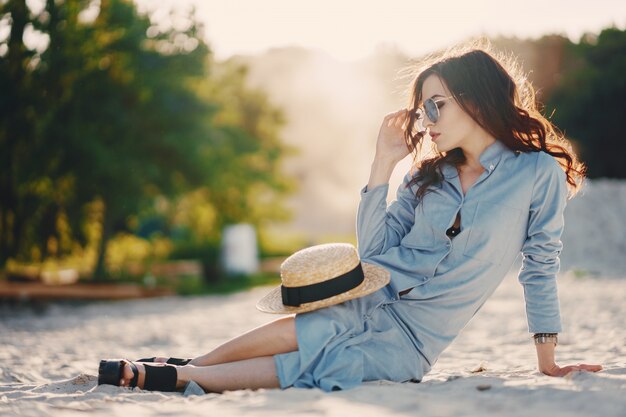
x=376 y=277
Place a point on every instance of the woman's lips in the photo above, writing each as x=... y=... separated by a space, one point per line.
x=434 y=136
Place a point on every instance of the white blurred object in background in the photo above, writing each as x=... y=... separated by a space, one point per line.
x=239 y=250
x=59 y=277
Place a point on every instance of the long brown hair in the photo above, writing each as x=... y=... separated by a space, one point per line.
x=500 y=100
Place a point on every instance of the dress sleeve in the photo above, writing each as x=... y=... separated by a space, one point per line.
x=379 y=227
x=542 y=246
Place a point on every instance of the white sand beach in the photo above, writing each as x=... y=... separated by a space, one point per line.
x=49 y=359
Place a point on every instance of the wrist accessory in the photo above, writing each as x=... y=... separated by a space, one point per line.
x=541 y=338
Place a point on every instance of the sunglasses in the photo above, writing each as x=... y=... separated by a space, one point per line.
x=430 y=109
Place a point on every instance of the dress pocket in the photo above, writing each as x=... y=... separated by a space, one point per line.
x=490 y=231
x=422 y=234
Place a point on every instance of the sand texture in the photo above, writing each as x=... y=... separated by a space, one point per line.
x=49 y=358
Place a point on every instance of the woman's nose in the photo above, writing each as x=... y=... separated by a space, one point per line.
x=426 y=122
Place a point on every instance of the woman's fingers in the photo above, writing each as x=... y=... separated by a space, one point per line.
x=590 y=368
x=580 y=367
x=396 y=114
x=390 y=142
x=396 y=119
x=389 y=117
x=400 y=120
x=585 y=367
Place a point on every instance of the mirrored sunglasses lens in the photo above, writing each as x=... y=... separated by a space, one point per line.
x=432 y=111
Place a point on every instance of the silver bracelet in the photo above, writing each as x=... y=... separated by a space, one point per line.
x=541 y=338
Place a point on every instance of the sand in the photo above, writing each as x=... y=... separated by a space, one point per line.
x=49 y=358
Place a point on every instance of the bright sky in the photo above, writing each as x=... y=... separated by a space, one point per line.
x=351 y=29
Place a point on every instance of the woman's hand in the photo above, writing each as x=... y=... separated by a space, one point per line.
x=556 y=370
x=391 y=146
x=547 y=365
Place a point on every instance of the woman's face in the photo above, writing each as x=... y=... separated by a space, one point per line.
x=455 y=128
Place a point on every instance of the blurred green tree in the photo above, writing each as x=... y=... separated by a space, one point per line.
x=590 y=102
x=17 y=121
x=115 y=112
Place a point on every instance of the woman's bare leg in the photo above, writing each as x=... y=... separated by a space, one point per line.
x=246 y=374
x=252 y=373
x=278 y=336
x=243 y=362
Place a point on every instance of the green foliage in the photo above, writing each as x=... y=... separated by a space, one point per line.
x=117 y=115
x=207 y=253
x=590 y=104
x=248 y=151
x=192 y=285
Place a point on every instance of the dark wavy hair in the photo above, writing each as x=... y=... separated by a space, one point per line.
x=499 y=99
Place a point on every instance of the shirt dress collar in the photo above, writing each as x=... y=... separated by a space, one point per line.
x=489 y=159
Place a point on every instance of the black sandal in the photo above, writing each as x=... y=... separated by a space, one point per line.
x=158 y=378
x=171 y=361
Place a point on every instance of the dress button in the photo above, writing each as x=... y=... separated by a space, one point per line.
x=491 y=167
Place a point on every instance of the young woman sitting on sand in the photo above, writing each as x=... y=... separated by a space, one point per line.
x=496 y=186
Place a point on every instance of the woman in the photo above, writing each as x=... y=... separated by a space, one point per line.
x=496 y=186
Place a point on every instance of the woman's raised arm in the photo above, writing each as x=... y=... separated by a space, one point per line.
x=379 y=227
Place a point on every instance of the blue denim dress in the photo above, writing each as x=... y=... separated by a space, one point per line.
x=515 y=206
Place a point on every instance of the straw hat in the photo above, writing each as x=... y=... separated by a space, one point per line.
x=321 y=276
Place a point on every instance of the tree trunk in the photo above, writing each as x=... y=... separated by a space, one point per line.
x=15 y=123
x=3 y=236
x=101 y=273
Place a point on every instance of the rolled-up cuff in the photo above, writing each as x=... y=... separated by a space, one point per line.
x=378 y=189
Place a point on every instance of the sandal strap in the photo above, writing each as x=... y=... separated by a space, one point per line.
x=160 y=378
x=172 y=361
x=133 y=382
x=178 y=361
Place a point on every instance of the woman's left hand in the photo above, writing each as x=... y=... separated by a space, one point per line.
x=556 y=370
